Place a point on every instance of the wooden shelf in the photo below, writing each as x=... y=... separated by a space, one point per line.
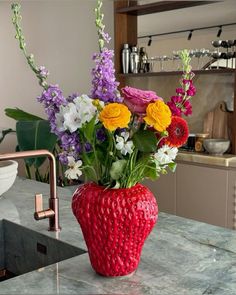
x=160 y=7
x=169 y=73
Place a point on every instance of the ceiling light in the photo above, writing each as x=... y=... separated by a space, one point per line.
x=219 y=32
x=150 y=41
x=190 y=35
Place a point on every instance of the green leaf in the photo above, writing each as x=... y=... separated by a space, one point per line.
x=145 y=141
x=35 y=135
x=117 y=169
x=151 y=171
x=20 y=115
x=88 y=130
x=172 y=166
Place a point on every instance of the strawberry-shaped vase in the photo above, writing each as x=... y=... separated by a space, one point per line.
x=115 y=224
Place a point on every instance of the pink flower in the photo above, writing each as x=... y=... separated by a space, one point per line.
x=188 y=108
x=176 y=98
x=180 y=91
x=176 y=111
x=192 y=90
x=137 y=100
x=186 y=81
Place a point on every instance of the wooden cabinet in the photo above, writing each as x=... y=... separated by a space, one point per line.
x=164 y=190
x=202 y=193
x=206 y=194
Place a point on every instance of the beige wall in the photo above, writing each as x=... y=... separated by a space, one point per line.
x=62 y=36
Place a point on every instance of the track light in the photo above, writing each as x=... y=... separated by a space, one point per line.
x=219 y=32
x=150 y=41
x=190 y=35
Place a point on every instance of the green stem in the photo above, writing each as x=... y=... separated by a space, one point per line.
x=99 y=24
x=16 y=19
x=28 y=173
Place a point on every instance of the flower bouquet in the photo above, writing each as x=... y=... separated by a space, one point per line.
x=115 y=140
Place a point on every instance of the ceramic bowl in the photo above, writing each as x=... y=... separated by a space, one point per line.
x=8 y=172
x=216 y=146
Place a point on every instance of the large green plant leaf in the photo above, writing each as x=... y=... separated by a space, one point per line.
x=145 y=141
x=20 y=115
x=35 y=135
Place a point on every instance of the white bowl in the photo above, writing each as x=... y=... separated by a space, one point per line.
x=216 y=146
x=8 y=172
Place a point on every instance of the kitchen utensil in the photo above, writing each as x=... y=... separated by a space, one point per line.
x=217 y=44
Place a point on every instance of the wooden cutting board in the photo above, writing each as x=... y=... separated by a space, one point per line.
x=216 y=122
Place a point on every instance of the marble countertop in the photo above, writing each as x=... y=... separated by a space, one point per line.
x=181 y=256
x=226 y=160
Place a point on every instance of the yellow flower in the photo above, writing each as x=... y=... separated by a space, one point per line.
x=98 y=104
x=115 y=115
x=158 y=115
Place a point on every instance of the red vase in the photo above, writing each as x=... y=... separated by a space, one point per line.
x=115 y=224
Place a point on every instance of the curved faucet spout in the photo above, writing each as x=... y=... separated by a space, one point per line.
x=53 y=212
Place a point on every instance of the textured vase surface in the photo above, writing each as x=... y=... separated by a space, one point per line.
x=115 y=224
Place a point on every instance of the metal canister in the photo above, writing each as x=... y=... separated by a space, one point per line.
x=125 y=58
x=134 y=60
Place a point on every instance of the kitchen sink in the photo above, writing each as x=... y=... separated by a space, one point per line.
x=23 y=250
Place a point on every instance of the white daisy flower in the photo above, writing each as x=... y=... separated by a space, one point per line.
x=123 y=144
x=60 y=118
x=75 y=114
x=72 y=118
x=73 y=172
x=166 y=155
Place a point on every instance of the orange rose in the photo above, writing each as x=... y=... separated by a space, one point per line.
x=158 y=115
x=115 y=115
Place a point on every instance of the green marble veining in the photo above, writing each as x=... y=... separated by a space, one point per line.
x=181 y=256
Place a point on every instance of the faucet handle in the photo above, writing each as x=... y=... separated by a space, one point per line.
x=39 y=212
x=38 y=202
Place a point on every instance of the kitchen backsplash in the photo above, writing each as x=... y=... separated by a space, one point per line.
x=211 y=89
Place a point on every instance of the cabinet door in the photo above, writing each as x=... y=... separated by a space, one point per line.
x=231 y=201
x=164 y=190
x=202 y=193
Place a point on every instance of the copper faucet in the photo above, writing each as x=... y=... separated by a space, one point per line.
x=53 y=212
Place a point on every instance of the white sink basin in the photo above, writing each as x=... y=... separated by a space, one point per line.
x=8 y=172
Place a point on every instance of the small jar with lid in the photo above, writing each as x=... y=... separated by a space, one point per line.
x=199 y=141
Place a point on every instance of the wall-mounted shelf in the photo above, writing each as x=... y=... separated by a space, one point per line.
x=160 y=7
x=170 y=73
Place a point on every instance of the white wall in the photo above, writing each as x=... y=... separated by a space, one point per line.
x=62 y=36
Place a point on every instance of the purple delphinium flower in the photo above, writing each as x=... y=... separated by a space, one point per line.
x=104 y=84
x=43 y=72
x=71 y=97
x=63 y=158
x=69 y=141
x=101 y=134
x=105 y=36
x=52 y=97
x=87 y=147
